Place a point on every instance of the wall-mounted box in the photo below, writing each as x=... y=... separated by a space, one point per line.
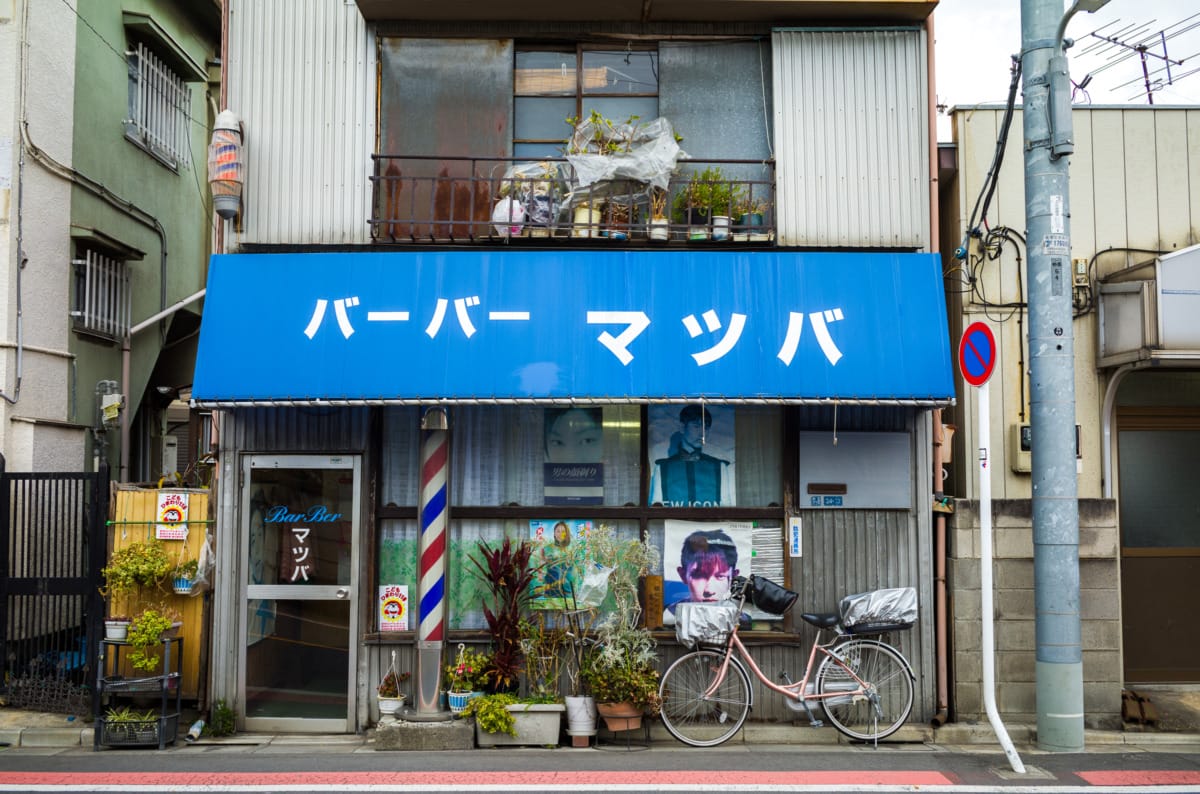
x=1020 y=448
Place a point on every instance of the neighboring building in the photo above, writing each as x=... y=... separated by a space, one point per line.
x=379 y=287
x=105 y=117
x=1134 y=214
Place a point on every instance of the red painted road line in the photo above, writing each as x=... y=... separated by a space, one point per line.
x=1147 y=777
x=707 y=779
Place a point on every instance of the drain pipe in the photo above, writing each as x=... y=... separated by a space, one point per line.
x=1106 y=418
x=941 y=716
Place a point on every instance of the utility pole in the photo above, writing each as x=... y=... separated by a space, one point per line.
x=1046 y=112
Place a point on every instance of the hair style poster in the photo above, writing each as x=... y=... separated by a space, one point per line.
x=574 y=468
x=700 y=559
x=559 y=552
x=692 y=455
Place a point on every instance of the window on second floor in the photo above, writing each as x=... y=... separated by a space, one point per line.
x=552 y=85
x=102 y=294
x=158 y=104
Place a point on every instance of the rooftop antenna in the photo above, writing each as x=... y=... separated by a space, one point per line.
x=1119 y=44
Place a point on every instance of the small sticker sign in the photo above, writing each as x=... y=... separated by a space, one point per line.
x=172 y=516
x=795 y=537
x=393 y=607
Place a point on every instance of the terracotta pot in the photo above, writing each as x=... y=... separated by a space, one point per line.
x=623 y=716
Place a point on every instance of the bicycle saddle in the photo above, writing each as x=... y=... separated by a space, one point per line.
x=823 y=620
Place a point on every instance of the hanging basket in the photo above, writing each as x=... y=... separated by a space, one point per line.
x=182 y=586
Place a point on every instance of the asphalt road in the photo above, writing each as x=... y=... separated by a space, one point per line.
x=660 y=767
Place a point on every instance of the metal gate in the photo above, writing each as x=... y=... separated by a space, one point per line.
x=52 y=547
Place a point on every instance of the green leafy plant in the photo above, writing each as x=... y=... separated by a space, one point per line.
x=743 y=204
x=508 y=571
x=598 y=134
x=708 y=192
x=185 y=570
x=542 y=645
x=491 y=713
x=145 y=632
x=623 y=664
x=141 y=564
x=125 y=715
x=222 y=720
x=468 y=672
x=389 y=687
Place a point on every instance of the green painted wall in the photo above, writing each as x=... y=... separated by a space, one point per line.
x=177 y=199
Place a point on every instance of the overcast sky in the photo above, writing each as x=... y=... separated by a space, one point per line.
x=975 y=41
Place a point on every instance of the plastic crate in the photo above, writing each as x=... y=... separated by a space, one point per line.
x=140 y=733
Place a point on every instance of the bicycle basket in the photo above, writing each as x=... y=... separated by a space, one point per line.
x=891 y=609
x=770 y=597
x=704 y=624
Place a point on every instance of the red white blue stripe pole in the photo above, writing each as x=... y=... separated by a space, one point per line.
x=431 y=568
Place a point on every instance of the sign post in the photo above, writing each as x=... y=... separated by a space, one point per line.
x=976 y=360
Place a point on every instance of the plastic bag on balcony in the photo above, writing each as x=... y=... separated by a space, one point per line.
x=537 y=186
x=600 y=151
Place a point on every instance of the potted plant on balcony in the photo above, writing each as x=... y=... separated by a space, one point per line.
x=659 y=223
x=707 y=196
x=749 y=210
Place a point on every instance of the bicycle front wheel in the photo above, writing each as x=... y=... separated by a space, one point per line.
x=889 y=681
x=695 y=719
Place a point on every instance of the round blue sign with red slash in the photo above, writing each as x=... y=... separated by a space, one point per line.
x=977 y=354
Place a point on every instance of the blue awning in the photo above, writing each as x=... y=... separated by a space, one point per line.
x=587 y=325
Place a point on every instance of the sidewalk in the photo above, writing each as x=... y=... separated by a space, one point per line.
x=29 y=729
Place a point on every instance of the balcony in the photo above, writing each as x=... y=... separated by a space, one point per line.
x=496 y=201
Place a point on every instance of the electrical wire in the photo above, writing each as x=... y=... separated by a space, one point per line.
x=993 y=174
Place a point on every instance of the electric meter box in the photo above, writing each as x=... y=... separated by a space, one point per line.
x=1020 y=448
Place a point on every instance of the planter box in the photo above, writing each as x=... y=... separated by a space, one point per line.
x=537 y=724
x=139 y=733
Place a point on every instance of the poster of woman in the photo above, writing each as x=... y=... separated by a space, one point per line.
x=559 y=552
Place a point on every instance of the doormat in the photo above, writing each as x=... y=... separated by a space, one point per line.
x=1137 y=708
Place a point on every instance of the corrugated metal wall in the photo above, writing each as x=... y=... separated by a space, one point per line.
x=308 y=161
x=852 y=138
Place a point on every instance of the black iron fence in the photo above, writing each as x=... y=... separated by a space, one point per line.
x=53 y=544
x=466 y=200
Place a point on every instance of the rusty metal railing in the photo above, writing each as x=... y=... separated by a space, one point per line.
x=429 y=200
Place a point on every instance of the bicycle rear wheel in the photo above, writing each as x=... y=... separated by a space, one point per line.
x=695 y=719
x=886 y=672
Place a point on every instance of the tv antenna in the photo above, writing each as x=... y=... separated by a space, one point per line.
x=1118 y=43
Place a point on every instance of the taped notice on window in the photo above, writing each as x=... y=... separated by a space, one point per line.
x=1056 y=245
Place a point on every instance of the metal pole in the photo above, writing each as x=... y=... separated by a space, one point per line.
x=1046 y=109
x=987 y=636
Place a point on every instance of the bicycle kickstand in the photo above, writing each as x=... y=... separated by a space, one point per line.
x=797 y=703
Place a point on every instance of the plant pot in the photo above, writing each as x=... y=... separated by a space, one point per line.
x=389 y=706
x=581 y=716
x=720 y=227
x=659 y=229
x=182 y=586
x=116 y=630
x=536 y=724
x=459 y=700
x=623 y=716
x=697 y=224
x=586 y=222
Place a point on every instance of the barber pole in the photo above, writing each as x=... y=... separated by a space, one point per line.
x=432 y=570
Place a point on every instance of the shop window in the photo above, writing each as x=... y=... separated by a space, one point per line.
x=534 y=455
x=102 y=294
x=551 y=85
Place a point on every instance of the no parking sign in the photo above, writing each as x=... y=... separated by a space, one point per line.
x=977 y=354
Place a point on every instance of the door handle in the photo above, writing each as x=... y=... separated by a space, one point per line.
x=343 y=592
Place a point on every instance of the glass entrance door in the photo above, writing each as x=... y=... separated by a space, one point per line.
x=300 y=590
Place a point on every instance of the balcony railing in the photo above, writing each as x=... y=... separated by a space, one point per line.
x=491 y=200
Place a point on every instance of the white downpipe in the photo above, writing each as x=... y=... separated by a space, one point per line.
x=1106 y=419
x=987 y=643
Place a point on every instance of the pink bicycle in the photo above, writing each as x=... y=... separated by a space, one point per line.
x=865 y=686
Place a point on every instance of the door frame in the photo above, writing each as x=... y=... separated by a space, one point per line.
x=348 y=593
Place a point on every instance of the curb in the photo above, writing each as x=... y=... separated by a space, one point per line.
x=978 y=736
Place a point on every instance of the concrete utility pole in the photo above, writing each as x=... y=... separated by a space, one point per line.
x=1046 y=110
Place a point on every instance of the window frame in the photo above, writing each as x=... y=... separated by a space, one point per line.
x=157 y=104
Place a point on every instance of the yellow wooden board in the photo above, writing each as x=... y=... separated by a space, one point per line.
x=134 y=516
